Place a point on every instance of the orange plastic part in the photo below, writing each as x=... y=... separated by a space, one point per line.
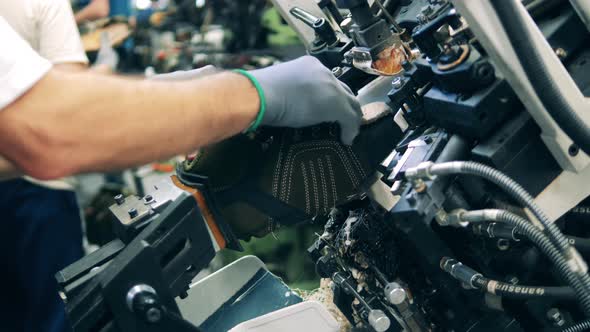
x=219 y=238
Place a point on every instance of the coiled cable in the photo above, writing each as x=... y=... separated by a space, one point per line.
x=540 y=239
x=578 y=327
x=517 y=192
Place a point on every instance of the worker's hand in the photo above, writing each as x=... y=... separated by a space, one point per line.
x=303 y=93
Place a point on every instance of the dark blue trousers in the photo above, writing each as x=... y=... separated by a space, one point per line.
x=40 y=234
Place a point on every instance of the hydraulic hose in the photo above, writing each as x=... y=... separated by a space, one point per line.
x=524 y=292
x=579 y=327
x=574 y=263
x=545 y=87
x=516 y=191
x=476 y=280
x=510 y=186
x=541 y=240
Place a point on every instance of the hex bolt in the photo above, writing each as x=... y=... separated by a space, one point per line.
x=133 y=212
x=397 y=82
x=337 y=71
x=119 y=199
x=148 y=198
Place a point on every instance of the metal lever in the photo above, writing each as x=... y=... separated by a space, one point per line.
x=305 y=16
x=322 y=28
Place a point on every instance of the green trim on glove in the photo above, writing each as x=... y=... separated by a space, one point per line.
x=262 y=110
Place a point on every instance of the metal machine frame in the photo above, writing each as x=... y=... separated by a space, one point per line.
x=564 y=193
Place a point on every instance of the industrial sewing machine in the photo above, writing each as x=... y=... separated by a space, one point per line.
x=474 y=220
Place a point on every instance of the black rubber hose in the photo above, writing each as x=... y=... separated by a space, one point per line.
x=523 y=197
x=546 y=89
x=517 y=192
x=543 y=243
x=511 y=187
x=541 y=240
x=578 y=327
x=523 y=292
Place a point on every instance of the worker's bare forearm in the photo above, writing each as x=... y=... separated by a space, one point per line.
x=86 y=122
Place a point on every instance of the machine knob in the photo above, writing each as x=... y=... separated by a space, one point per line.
x=395 y=293
x=379 y=321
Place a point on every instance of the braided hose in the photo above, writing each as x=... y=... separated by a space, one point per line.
x=574 y=263
x=579 y=327
x=511 y=187
x=574 y=259
x=541 y=241
x=522 y=292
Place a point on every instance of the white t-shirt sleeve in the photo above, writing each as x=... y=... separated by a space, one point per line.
x=20 y=66
x=58 y=35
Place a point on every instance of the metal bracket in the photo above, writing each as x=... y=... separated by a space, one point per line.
x=486 y=26
x=565 y=192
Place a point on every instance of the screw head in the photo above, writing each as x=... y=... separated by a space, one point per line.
x=148 y=198
x=337 y=71
x=119 y=199
x=503 y=244
x=561 y=53
x=573 y=150
x=397 y=82
x=133 y=212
